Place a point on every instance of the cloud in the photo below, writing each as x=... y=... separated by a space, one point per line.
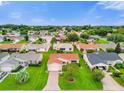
x=114 y=5
x=15 y=15
x=2 y=3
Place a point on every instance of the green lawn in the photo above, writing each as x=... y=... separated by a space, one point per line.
x=38 y=77
x=23 y=42
x=84 y=79
x=101 y=41
x=118 y=79
x=6 y=42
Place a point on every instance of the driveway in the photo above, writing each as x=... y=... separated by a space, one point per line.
x=52 y=83
x=109 y=84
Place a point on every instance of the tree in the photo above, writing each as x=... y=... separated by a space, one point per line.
x=116 y=38
x=118 y=48
x=4 y=32
x=26 y=37
x=73 y=37
x=84 y=36
x=120 y=30
x=22 y=77
x=98 y=74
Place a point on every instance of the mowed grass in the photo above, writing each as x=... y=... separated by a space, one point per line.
x=38 y=77
x=101 y=41
x=118 y=79
x=84 y=79
x=23 y=42
x=6 y=42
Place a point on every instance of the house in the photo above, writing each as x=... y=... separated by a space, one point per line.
x=91 y=39
x=33 y=38
x=121 y=55
x=56 y=61
x=28 y=58
x=122 y=46
x=63 y=46
x=1 y=38
x=102 y=60
x=16 y=39
x=85 y=47
x=3 y=57
x=9 y=65
x=107 y=46
x=11 y=47
x=17 y=59
x=47 y=38
x=38 y=47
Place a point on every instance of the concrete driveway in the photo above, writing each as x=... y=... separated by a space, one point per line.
x=52 y=83
x=109 y=84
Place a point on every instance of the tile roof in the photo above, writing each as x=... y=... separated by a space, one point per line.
x=3 y=46
x=88 y=46
x=54 y=58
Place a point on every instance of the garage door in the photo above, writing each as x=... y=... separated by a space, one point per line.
x=54 y=67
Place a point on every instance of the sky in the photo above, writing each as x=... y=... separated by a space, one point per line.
x=62 y=12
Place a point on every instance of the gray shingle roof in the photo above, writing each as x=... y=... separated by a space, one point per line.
x=102 y=57
x=3 y=55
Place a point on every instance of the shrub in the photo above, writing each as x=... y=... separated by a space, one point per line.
x=90 y=51
x=23 y=51
x=110 y=50
x=22 y=77
x=122 y=77
x=116 y=74
x=17 y=69
x=59 y=51
x=98 y=74
x=119 y=65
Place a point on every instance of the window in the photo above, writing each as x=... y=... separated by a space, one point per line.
x=62 y=48
x=73 y=61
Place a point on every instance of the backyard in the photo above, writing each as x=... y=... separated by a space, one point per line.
x=101 y=41
x=6 y=42
x=38 y=77
x=84 y=79
x=23 y=42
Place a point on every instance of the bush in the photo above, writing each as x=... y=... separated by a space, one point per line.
x=119 y=65
x=23 y=51
x=122 y=77
x=110 y=50
x=84 y=36
x=98 y=74
x=90 y=51
x=59 y=51
x=22 y=77
x=17 y=69
x=116 y=74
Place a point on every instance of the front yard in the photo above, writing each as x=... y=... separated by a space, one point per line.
x=83 y=79
x=120 y=77
x=38 y=77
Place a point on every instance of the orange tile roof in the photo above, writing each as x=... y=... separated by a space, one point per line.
x=88 y=46
x=54 y=57
x=7 y=46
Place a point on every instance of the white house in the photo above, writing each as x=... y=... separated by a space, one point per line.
x=56 y=61
x=38 y=47
x=63 y=46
